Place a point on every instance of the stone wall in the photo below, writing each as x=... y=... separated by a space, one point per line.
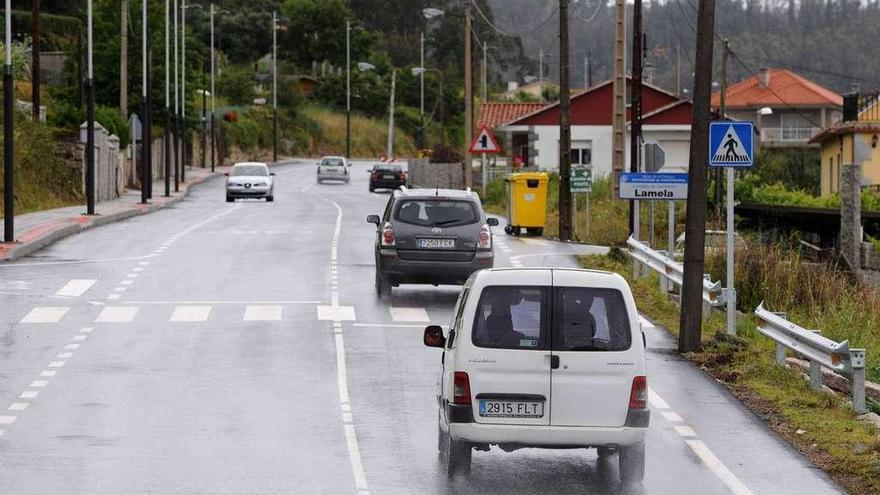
x=422 y=173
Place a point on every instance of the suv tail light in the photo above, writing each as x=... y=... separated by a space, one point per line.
x=638 y=396
x=485 y=241
x=374 y=175
x=387 y=235
x=461 y=393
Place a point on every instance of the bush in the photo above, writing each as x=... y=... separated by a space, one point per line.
x=113 y=120
x=445 y=154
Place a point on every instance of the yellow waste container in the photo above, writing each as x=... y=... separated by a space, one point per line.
x=526 y=203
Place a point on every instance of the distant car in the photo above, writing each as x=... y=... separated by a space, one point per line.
x=543 y=358
x=431 y=236
x=250 y=180
x=333 y=168
x=386 y=176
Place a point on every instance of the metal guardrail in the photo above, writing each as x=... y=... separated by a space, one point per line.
x=673 y=271
x=819 y=350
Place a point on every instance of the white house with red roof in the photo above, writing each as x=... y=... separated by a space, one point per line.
x=798 y=108
x=535 y=136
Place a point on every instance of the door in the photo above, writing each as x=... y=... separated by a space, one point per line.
x=508 y=358
x=598 y=356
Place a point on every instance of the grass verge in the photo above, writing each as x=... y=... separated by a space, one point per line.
x=822 y=426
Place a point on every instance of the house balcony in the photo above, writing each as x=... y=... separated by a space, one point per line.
x=788 y=136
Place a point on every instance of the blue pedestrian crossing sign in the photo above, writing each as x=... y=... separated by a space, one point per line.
x=731 y=144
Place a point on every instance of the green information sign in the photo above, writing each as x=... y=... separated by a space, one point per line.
x=581 y=180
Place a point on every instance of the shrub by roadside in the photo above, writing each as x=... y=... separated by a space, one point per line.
x=821 y=425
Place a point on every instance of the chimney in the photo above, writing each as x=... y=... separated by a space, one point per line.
x=512 y=85
x=764 y=76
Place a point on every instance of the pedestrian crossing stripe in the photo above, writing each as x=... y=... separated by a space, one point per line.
x=731 y=144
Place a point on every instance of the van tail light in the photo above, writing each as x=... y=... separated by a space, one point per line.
x=638 y=396
x=461 y=392
x=485 y=238
x=387 y=235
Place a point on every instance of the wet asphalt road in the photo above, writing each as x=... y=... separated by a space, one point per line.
x=239 y=348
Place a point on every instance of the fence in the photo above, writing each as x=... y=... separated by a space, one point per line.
x=819 y=350
x=673 y=271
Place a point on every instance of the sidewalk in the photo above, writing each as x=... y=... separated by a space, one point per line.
x=34 y=231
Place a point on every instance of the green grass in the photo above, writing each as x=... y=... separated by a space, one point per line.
x=821 y=425
x=42 y=179
x=368 y=136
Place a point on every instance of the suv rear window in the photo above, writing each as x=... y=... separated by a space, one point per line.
x=590 y=319
x=512 y=318
x=436 y=212
x=387 y=168
x=331 y=162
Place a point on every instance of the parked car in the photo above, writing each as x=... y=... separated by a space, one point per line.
x=543 y=358
x=387 y=176
x=333 y=168
x=250 y=180
x=431 y=236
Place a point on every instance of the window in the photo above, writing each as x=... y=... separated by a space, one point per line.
x=511 y=317
x=250 y=170
x=831 y=174
x=581 y=153
x=332 y=162
x=457 y=319
x=591 y=320
x=386 y=216
x=436 y=213
x=387 y=168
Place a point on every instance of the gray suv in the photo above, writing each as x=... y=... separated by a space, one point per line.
x=431 y=236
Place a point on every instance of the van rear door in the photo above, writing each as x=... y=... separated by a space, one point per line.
x=598 y=353
x=508 y=360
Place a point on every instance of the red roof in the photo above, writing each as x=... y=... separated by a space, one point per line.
x=595 y=107
x=494 y=114
x=785 y=89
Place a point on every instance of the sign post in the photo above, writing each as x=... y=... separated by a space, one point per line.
x=731 y=145
x=484 y=143
x=581 y=181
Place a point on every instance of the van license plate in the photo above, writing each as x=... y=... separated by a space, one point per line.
x=437 y=243
x=511 y=409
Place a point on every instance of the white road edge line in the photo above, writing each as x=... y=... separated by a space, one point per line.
x=717 y=468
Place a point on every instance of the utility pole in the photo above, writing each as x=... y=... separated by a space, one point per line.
x=468 y=94
x=485 y=75
x=123 y=59
x=390 y=148
x=564 y=126
x=422 y=92
x=619 y=107
x=213 y=65
x=541 y=75
x=678 y=70
x=274 y=86
x=145 y=156
x=36 y=29
x=167 y=102
x=183 y=94
x=204 y=113
x=90 y=117
x=8 y=139
x=635 y=137
x=718 y=171
x=589 y=68
x=176 y=105
x=691 y=321
x=348 y=86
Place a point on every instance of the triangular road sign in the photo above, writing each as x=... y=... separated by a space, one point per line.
x=485 y=142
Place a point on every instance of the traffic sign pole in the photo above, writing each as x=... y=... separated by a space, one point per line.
x=731 y=290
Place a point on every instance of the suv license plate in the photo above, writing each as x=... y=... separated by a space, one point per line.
x=437 y=243
x=388 y=177
x=511 y=409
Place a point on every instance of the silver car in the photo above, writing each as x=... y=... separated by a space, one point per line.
x=250 y=180
x=333 y=168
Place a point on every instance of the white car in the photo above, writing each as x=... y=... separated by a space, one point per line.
x=333 y=168
x=546 y=358
x=250 y=180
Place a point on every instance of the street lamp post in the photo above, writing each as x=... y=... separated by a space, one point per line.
x=428 y=14
x=183 y=95
x=348 y=89
x=274 y=86
x=204 y=113
x=213 y=62
x=90 y=119
x=145 y=107
x=176 y=104
x=8 y=122
x=167 y=101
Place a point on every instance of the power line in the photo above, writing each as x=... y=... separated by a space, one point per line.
x=505 y=33
x=580 y=13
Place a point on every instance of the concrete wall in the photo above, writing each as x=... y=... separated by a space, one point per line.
x=423 y=174
x=109 y=169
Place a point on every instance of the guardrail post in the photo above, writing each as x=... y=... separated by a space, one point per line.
x=780 y=354
x=857 y=360
x=816 y=372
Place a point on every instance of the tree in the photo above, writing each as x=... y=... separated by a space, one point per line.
x=315 y=31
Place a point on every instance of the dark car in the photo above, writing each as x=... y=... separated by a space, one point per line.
x=384 y=176
x=431 y=236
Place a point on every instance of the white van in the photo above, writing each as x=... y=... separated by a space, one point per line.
x=546 y=358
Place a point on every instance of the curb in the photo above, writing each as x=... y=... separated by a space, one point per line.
x=66 y=229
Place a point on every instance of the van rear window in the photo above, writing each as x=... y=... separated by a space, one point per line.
x=590 y=319
x=512 y=318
